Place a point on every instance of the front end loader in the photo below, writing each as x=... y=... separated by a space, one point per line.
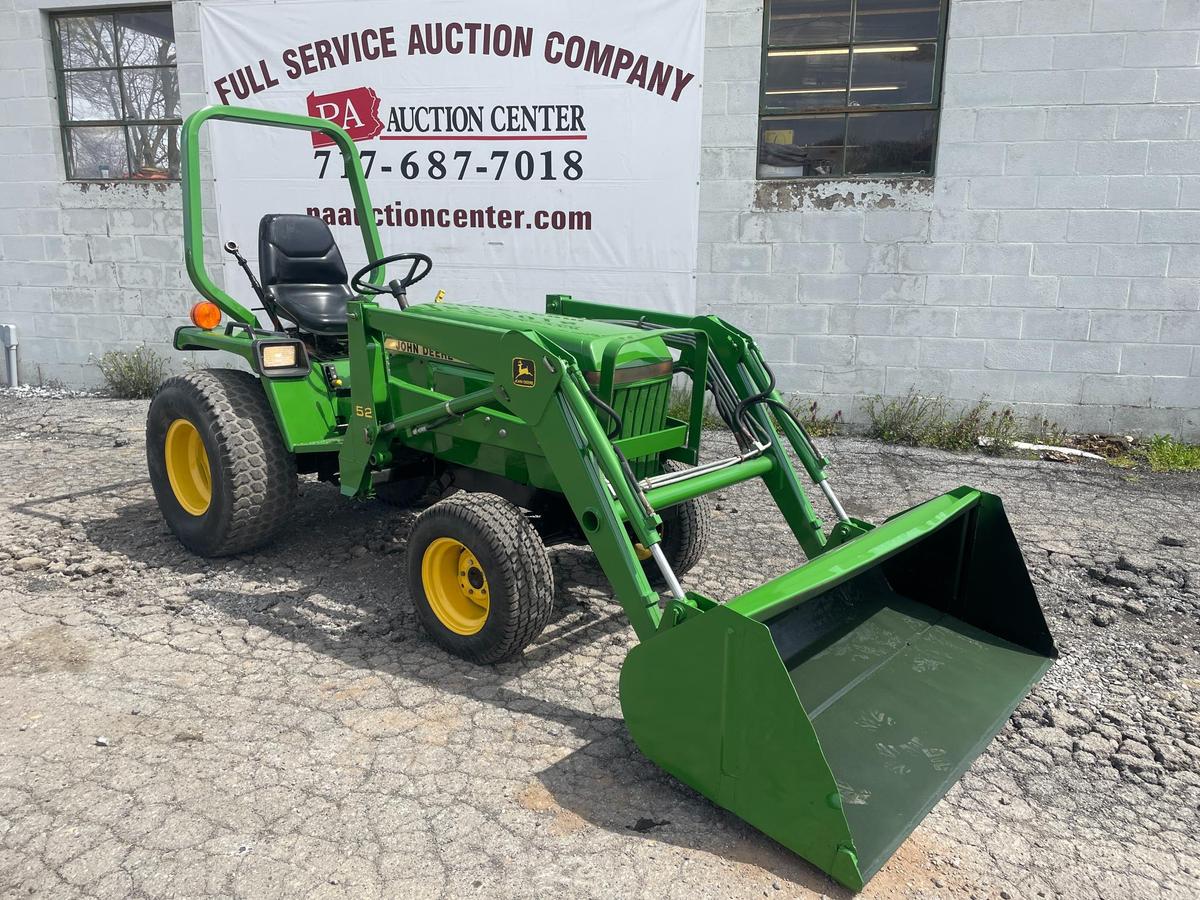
x=830 y=707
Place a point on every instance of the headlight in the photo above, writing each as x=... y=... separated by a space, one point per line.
x=281 y=359
x=279 y=356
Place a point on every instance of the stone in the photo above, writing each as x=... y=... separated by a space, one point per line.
x=1135 y=748
x=1134 y=764
x=1140 y=565
x=1094 y=743
x=1122 y=578
x=1065 y=721
x=1049 y=738
x=1169 y=540
x=30 y=563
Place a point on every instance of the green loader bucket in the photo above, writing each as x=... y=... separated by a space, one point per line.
x=833 y=706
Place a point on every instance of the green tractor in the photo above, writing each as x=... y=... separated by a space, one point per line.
x=830 y=707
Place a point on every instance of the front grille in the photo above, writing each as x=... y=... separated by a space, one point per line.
x=643 y=408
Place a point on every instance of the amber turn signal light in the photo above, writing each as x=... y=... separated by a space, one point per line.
x=206 y=315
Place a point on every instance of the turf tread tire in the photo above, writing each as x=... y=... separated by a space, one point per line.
x=253 y=474
x=687 y=527
x=514 y=560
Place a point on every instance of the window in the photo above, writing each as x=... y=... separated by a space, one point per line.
x=850 y=87
x=118 y=94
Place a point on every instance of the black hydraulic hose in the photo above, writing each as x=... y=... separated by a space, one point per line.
x=724 y=400
x=618 y=425
x=718 y=383
x=765 y=398
x=790 y=413
x=764 y=394
x=744 y=427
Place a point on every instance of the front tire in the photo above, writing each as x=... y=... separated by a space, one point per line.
x=479 y=576
x=685 y=531
x=223 y=479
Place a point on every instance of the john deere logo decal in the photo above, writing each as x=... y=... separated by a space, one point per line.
x=524 y=375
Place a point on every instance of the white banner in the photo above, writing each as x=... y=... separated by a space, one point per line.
x=527 y=147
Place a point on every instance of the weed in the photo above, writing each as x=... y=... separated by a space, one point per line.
x=1045 y=432
x=1166 y=454
x=808 y=412
x=1162 y=453
x=918 y=421
x=680 y=408
x=132 y=374
x=814 y=422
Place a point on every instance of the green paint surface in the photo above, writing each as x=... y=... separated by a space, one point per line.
x=902 y=698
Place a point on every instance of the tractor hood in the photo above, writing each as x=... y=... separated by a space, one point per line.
x=584 y=339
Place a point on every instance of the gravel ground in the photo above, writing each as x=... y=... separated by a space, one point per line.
x=277 y=725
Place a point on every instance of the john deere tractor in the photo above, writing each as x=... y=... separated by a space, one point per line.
x=830 y=707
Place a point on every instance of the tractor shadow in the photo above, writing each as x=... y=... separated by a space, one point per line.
x=353 y=607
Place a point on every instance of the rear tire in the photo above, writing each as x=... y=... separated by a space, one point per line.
x=223 y=479
x=479 y=576
x=685 y=532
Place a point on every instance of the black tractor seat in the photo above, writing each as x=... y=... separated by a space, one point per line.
x=302 y=269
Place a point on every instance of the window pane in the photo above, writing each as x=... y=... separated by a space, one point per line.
x=812 y=145
x=155 y=150
x=151 y=94
x=147 y=38
x=805 y=79
x=97 y=153
x=806 y=22
x=892 y=20
x=892 y=74
x=92 y=96
x=890 y=143
x=86 y=41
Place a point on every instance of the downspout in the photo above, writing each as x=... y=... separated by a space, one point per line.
x=8 y=333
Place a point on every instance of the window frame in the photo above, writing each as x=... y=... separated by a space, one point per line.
x=65 y=122
x=935 y=105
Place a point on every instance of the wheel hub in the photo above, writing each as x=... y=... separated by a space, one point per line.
x=455 y=585
x=187 y=467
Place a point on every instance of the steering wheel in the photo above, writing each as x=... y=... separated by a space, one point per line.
x=397 y=287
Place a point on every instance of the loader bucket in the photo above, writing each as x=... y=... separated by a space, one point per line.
x=833 y=706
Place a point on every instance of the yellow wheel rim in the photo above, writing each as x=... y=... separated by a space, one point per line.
x=187 y=467
x=455 y=585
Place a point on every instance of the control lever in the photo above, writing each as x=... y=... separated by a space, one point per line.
x=267 y=301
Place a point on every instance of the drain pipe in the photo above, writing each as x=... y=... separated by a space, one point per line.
x=8 y=333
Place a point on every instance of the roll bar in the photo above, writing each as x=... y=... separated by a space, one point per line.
x=193 y=225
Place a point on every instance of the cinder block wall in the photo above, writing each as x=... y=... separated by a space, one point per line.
x=83 y=268
x=1051 y=263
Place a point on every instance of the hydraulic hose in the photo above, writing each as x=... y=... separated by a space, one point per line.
x=618 y=425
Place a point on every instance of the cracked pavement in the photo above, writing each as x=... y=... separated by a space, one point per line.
x=277 y=725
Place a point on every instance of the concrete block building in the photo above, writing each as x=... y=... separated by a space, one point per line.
x=991 y=199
